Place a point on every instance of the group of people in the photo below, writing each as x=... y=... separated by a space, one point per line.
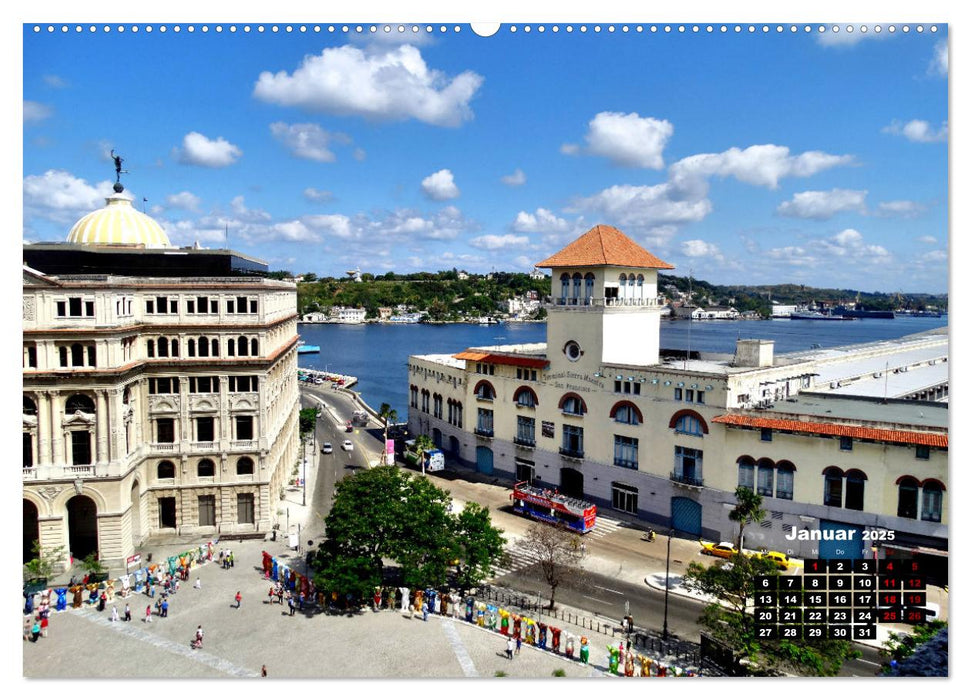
x=295 y=601
x=227 y=559
x=36 y=621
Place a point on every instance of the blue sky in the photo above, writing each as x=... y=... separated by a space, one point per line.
x=819 y=159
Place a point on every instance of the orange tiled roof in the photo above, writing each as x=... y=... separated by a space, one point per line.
x=899 y=436
x=491 y=358
x=604 y=245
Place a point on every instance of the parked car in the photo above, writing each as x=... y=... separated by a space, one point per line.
x=327 y=448
x=781 y=560
x=725 y=550
x=348 y=446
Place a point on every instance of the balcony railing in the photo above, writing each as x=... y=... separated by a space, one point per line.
x=74 y=471
x=207 y=446
x=524 y=441
x=625 y=463
x=577 y=302
x=571 y=452
x=687 y=479
x=245 y=444
x=484 y=432
x=165 y=447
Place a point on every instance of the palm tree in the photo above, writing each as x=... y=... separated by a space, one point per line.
x=389 y=415
x=748 y=509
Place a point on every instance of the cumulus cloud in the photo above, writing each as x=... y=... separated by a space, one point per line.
x=183 y=200
x=850 y=35
x=823 y=205
x=903 y=208
x=440 y=186
x=542 y=221
x=312 y=194
x=35 y=111
x=308 y=141
x=59 y=196
x=762 y=165
x=917 y=130
x=930 y=240
x=939 y=62
x=200 y=150
x=698 y=248
x=644 y=205
x=515 y=179
x=240 y=210
x=628 y=139
x=395 y=84
x=849 y=243
x=934 y=256
x=499 y=242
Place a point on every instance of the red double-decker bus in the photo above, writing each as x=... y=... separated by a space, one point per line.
x=552 y=507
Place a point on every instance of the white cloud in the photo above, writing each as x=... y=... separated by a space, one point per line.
x=797 y=256
x=440 y=186
x=543 y=220
x=35 y=111
x=762 y=165
x=308 y=141
x=312 y=194
x=939 y=62
x=644 y=205
x=239 y=208
x=850 y=35
x=701 y=249
x=930 y=240
x=499 y=242
x=359 y=154
x=515 y=179
x=848 y=245
x=570 y=149
x=904 y=208
x=934 y=256
x=381 y=85
x=629 y=139
x=917 y=130
x=183 y=200
x=55 y=81
x=823 y=205
x=199 y=150
x=59 y=196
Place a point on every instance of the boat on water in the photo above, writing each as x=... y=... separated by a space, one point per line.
x=863 y=313
x=304 y=349
x=807 y=315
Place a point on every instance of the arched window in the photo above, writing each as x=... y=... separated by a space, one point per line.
x=907 y=497
x=573 y=405
x=785 y=473
x=206 y=467
x=484 y=391
x=215 y=347
x=676 y=421
x=688 y=424
x=631 y=280
x=242 y=346
x=640 y=286
x=175 y=347
x=254 y=347
x=765 y=477
x=627 y=413
x=932 y=501
x=526 y=397
x=231 y=347
x=833 y=487
x=203 y=346
x=163 y=347
x=192 y=347
x=244 y=465
x=30 y=408
x=77 y=355
x=746 y=472
x=79 y=402
x=166 y=470
x=622 y=285
x=564 y=286
x=588 y=287
x=855 y=480
x=577 y=279
x=149 y=347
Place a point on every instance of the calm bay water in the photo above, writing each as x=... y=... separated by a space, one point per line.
x=377 y=354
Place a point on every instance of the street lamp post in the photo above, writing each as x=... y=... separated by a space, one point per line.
x=667 y=584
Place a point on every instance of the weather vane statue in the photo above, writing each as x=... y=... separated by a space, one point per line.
x=118 y=161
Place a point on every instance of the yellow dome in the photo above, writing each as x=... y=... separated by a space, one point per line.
x=118 y=223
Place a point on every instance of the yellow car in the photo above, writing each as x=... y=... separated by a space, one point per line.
x=725 y=550
x=781 y=560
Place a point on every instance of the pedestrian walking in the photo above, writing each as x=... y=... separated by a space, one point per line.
x=239 y=599
x=291 y=604
x=519 y=644
x=271 y=594
x=263 y=671
x=424 y=612
x=232 y=559
x=148 y=613
x=35 y=630
x=27 y=626
x=151 y=589
x=510 y=645
x=197 y=584
x=114 y=613
x=102 y=599
x=44 y=623
x=165 y=608
x=127 y=613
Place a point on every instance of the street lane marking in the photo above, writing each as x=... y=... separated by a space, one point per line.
x=608 y=589
x=605 y=602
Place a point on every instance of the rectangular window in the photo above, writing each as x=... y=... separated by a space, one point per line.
x=933 y=500
x=203 y=385
x=689 y=395
x=923 y=451
x=687 y=466
x=245 y=509
x=62 y=308
x=190 y=306
x=244 y=427
x=241 y=305
x=163 y=385
x=162 y=304
x=243 y=383
x=32 y=356
x=766 y=434
x=165 y=430
x=746 y=476
x=149 y=306
x=854 y=493
x=89 y=308
x=572 y=440
x=525 y=430
x=833 y=492
x=624 y=498
x=80 y=447
x=205 y=429
x=252 y=306
x=213 y=306
x=846 y=443
x=700 y=397
x=525 y=471
x=74 y=306
x=625 y=452
x=766 y=477
x=783 y=484
x=484 y=424
x=617 y=386
x=207 y=511
x=28 y=451
x=166 y=512
x=637 y=389
x=677 y=394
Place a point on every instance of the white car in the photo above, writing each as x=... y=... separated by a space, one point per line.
x=327 y=448
x=348 y=446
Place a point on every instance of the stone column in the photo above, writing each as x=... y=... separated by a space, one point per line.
x=101 y=427
x=58 y=457
x=44 y=431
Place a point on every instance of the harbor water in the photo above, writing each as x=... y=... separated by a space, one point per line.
x=378 y=353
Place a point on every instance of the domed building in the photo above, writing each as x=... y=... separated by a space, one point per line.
x=159 y=389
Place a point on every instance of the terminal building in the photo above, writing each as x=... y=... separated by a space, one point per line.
x=159 y=389
x=846 y=442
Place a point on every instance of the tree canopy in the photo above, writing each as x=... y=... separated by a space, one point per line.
x=385 y=513
x=558 y=552
x=748 y=509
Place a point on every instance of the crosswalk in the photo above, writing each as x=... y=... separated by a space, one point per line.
x=520 y=558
